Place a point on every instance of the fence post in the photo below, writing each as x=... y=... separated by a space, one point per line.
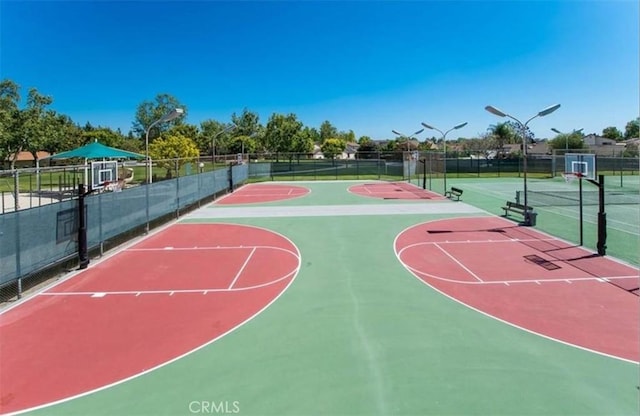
x=16 y=189
x=83 y=251
x=18 y=259
x=176 y=166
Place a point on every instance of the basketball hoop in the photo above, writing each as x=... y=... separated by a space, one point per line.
x=569 y=177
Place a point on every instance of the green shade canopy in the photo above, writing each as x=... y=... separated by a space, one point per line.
x=96 y=150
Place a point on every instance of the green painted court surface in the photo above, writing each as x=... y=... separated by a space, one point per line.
x=357 y=334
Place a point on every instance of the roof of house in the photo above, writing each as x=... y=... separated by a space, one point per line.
x=27 y=156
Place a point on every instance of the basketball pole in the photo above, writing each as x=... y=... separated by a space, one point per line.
x=83 y=250
x=581 y=205
x=601 y=245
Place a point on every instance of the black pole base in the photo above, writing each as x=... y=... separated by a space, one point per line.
x=83 y=251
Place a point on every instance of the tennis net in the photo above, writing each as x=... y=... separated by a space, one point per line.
x=572 y=198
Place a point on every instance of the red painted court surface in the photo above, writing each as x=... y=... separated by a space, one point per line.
x=530 y=280
x=260 y=193
x=152 y=303
x=394 y=190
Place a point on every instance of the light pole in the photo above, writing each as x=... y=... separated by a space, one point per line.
x=213 y=142
x=444 y=143
x=566 y=137
x=252 y=135
x=397 y=133
x=546 y=111
x=175 y=113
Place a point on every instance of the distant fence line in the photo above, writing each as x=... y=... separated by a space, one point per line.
x=28 y=188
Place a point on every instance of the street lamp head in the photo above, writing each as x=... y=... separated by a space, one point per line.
x=418 y=132
x=578 y=131
x=173 y=114
x=553 y=129
x=459 y=126
x=548 y=110
x=495 y=111
x=428 y=126
x=396 y=132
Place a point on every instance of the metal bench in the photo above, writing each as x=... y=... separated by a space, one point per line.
x=527 y=212
x=454 y=192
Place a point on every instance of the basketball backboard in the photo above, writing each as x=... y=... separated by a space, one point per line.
x=582 y=163
x=103 y=173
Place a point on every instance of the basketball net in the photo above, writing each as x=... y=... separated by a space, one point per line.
x=569 y=177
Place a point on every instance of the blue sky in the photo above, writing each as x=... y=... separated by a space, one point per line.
x=369 y=66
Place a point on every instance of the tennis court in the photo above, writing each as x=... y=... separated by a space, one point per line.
x=340 y=298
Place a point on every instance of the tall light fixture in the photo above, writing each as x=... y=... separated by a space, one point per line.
x=444 y=142
x=173 y=114
x=523 y=127
x=397 y=133
x=566 y=137
x=213 y=141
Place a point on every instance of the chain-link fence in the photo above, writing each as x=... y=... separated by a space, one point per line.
x=43 y=241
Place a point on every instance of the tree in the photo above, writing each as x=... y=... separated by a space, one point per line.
x=632 y=129
x=612 y=133
x=404 y=144
x=567 y=141
x=172 y=151
x=347 y=136
x=64 y=134
x=502 y=133
x=313 y=134
x=302 y=142
x=368 y=148
x=281 y=132
x=26 y=129
x=243 y=144
x=327 y=131
x=479 y=145
x=103 y=135
x=188 y=130
x=150 y=111
x=517 y=130
x=214 y=133
x=246 y=123
x=631 y=150
x=332 y=147
x=9 y=99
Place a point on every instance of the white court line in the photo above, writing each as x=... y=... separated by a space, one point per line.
x=508 y=282
x=458 y=262
x=242 y=268
x=249 y=193
x=428 y=243
x=169 y=292
x=215 y=248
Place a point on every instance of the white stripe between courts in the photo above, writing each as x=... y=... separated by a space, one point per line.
x=460 y=264
x=242 y=268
